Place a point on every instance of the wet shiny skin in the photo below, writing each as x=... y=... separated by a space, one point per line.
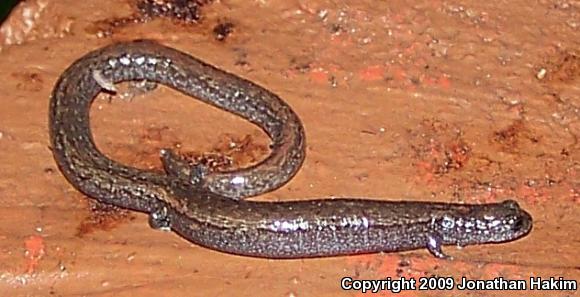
x=208 y=208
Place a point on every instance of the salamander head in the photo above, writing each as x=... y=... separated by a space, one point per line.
x=487 y=223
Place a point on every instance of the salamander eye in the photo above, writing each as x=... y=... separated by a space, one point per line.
x=518 y=224
x=447 y=222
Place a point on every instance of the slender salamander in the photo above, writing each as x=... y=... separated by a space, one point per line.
x=207 y=208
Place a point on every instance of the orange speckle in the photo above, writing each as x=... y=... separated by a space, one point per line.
x=397 y=18
x=425 y=169
x=341 y=40
x=319 y=75
x=575 y=195
x=493 y=270
x=372 y=73
x=399 y=74
x=444 y=82
x=428 y=81
x=34 y=246
x=532 y=194
x=412 y=48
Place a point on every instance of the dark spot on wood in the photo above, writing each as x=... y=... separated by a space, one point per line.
x=102 y=217
x=187 y=11
x=563 y=67
x=222 y=30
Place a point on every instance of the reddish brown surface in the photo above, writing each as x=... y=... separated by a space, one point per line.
x=472 y=101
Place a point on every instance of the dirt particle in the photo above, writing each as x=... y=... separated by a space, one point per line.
x=28 y=81
x=510 y=137
x=563 y=67
x=404 y=263
x=241 y=57
x=182 y=11
x=439 y=148
x=229 y=153
x=541 y=73
x=155 y=134
x=102 y=217
x=213 y=160
x=187 y=11
x=222 y=30
x=301 y=64
x=106 y=28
